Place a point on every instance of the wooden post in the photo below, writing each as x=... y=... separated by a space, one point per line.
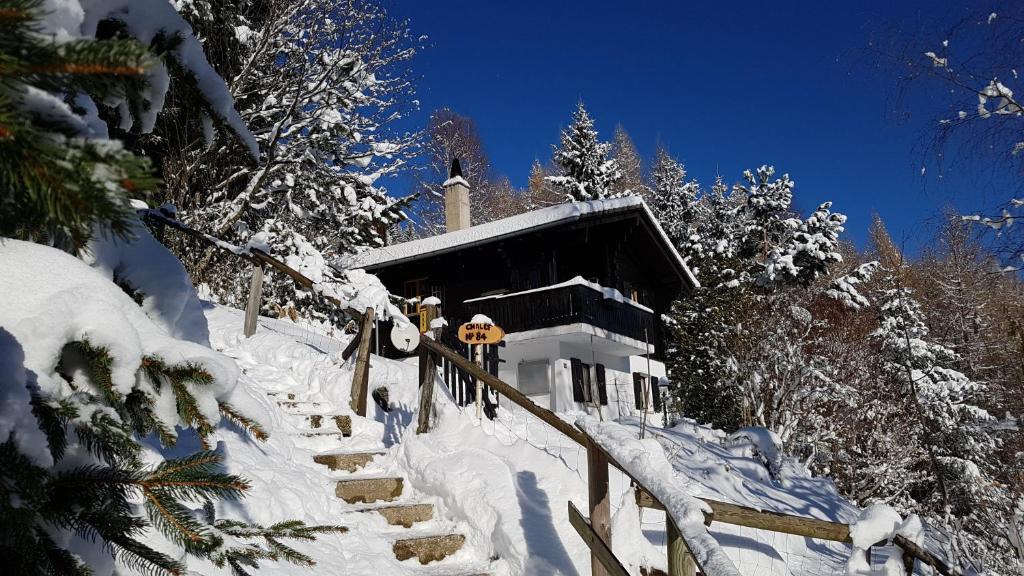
x=600 y=505
x=680 y=561
x=429 y=312
x=252 y=308
x=361 y=375
x=428 y=373
x=479 y=357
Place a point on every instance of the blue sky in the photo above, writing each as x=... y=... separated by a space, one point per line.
x=725 y=85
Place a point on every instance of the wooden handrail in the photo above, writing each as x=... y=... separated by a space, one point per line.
x=254 y=255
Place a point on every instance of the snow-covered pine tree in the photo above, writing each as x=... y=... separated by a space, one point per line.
x=630 y=165
x=586 y=171
x=956 y=488
x=85 y=380
x=779 y=246
x=322 y=83
x=673 y=200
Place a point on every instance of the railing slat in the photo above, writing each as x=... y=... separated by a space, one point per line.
x=600 y=555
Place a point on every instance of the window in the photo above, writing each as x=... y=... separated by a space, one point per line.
x=581 y=390
x=533 y=378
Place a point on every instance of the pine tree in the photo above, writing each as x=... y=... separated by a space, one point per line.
x=60 y=175
x=586 y=171
x=673 y=200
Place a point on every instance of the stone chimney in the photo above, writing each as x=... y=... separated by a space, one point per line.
x=456 y=199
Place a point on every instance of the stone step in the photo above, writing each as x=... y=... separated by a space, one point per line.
x=429 y=548
x=368 y=490
x=347 y=462
x=405 y=515
x=342 y=422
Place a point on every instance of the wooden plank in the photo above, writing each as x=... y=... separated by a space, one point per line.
x=600 y=503
x=361 y=375
x=600 y=554
x=506 y=390
x=252 y=307
x=680 y=561
x=428 y=374
x=727 y=513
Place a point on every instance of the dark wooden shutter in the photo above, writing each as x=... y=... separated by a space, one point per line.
x=638 y=390
x=602 y=390
x=656 y=393
x=577 y=380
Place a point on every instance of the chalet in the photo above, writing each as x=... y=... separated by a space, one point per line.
x=579 y=288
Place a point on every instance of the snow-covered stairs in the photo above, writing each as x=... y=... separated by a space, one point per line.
x=418 y=533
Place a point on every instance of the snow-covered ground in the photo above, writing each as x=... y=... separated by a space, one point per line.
x=504 y=484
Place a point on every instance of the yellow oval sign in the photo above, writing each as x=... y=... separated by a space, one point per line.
x=475 y=333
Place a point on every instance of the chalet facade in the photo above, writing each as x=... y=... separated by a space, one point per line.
x=579 y=288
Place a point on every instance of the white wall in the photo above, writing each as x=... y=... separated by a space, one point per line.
x=618 y=373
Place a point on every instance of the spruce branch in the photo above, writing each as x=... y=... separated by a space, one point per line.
x=242 y=421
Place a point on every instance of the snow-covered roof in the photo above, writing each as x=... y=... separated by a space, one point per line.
x=513 y=226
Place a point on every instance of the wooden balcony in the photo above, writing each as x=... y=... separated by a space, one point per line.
x=563 y=306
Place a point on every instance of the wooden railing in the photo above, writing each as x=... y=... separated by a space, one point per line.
x=573 y=304
x=259 y=260
x=596 y=533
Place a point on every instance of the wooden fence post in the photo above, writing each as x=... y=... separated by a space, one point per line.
x=361 y=375
x=428 y=373
x=600 y=505
x=252 y=308
x=680 y=561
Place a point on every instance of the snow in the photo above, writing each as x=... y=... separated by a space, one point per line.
x=481 y=319
x=509 y=227
x=609 y=293
x=877 y=523
x=455 y=180
x=54 y=298
x=145 y=265
x=431 y=301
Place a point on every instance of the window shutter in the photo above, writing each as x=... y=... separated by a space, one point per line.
x=638 y=390
x=577 y=380
x=656 y=393
x=602 y=390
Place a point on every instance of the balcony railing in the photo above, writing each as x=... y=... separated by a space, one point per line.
x=565 y=305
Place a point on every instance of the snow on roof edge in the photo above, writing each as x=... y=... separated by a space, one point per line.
x=507 y=227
